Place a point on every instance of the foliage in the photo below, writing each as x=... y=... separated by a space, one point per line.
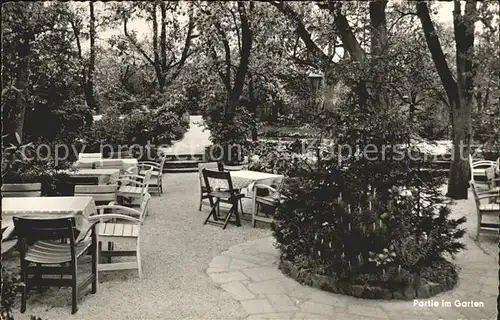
x=273 y=157
x=53 y=85
x=11 y=282
x=159 y=126
x=229 y=133
x=26 y=163
x=376 y=232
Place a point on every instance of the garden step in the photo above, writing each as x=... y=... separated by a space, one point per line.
x=180 y=170
x=182 y=164
x=174 y=157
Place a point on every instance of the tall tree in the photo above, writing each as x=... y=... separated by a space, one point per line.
x=171 y=40
x=230 y=24
x=460 y=91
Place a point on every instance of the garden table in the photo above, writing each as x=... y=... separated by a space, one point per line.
x=245 y=179
x=104 y=176
x=47 y=207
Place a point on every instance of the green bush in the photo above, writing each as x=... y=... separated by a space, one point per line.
x=229 y=134
x=369 y=236
x=11 y=282
x=159 y=126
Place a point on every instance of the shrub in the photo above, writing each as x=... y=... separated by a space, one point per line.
x=21 y=164
x=368 y=236
x=158 y=126
x=230 y=132
x=11 y=282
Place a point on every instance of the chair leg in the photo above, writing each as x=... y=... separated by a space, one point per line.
x=74 y=289
x=38 y=278
x=95 y=259
x=24 y=289
x=478 y=225
x=229 y=214
x=110 y=248
x=212 y=212
x=201 y=200
x=238 y=222
x=139 y=261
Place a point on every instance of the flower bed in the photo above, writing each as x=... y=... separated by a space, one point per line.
x=437 y=281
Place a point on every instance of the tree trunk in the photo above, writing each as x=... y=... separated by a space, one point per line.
x=458 y=183
x=253 y=107
x=22 y=79
x=90 y=98
x=460 y=92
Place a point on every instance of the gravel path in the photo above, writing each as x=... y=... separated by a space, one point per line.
x=177 y=248
x=194 y=140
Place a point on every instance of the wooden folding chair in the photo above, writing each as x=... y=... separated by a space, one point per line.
x=490 y=209
x=219 y=186
x=38 y=246
x=201 y=180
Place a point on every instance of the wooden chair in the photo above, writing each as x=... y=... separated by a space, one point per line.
x=266 y=196
x=38 y=246
x=203 y=188
x=156 y=180
x=478 y=168
x=124 y=228
x=17 y=190
x=22 y=190
x=133 y=187
x=490 y=209
x=220 y=187
x=102 y=194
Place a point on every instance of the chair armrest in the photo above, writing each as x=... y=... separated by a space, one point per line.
x=83 y=233
x=488 y=196
x=109 y=216
x=263 y=186
x=131 y=211
x=129 y=181
x=150 y=164
x=7 y=232
x=131 y=177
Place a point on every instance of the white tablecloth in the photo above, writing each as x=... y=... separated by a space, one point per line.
x=245 y=180
x=105 y=176
x=48 y=207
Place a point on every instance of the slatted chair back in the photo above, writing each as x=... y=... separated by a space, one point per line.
x=209 y=166
x=32 y=229
x=83 y=180
x=102 y=194
x=218 y=180
x=480 y=167
x=22 y=190
x=86 y=156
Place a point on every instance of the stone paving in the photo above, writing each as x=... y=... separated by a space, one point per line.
x=249 y=273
